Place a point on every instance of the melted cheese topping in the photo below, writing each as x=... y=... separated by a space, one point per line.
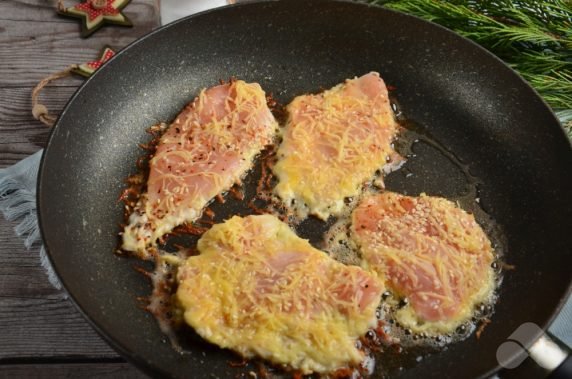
x=206 y=150
x=260 y=290
x=429 y=251
x=333 y=143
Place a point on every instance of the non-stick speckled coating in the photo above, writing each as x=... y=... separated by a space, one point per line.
x=470 y=103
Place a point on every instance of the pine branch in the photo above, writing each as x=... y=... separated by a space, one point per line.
x=532 y=36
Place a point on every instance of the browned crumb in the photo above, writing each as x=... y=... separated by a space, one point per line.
x=484 y=322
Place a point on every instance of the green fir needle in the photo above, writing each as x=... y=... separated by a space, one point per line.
x=534 y=37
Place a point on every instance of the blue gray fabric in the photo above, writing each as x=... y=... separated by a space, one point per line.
x=18 y=203
x=561 y=328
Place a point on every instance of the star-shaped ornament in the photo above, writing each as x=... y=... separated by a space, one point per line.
x=96 y=13
x=88 y=68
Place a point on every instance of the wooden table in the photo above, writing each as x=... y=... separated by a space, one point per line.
x=41 y=332
x=42 y=335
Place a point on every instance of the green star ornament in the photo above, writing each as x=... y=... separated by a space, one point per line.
x=96 y=13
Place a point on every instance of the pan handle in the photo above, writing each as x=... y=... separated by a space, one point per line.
x=531 y=352
x=552 y=356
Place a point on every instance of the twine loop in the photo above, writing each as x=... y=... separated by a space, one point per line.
x=40 y=111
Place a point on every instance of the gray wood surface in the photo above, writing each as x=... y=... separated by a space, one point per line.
x=71 y=370
x=42 y=335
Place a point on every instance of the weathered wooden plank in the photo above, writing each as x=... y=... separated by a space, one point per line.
x=27 y=55
x=32 y=50
x=21 y=134
x=16 y=102
x=47 y=328
x=38 y=323
x=21 y=273
x=29 y=10
x=20 y=146
x=45 y=10
x=36 y=319
x=17 y=152
x=71 y=370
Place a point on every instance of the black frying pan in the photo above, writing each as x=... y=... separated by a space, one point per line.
x=471 y=103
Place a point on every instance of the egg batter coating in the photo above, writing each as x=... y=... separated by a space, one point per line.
x=427 y=250
x=334 y=142
x=260 y=290
x=207 y=149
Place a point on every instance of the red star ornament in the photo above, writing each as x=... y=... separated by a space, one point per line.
x=96 y=13
x=88 y=68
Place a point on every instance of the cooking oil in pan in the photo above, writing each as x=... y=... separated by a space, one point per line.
x=433 y=169
x=429 y=168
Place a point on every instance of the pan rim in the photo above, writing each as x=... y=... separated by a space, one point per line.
x=120 y=347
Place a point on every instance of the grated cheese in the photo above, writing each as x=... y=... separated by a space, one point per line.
x=206 y=150
x=334 y=142
x=428 y=251
x=260 y=290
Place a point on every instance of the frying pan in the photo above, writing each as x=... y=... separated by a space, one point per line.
x=480 y=111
